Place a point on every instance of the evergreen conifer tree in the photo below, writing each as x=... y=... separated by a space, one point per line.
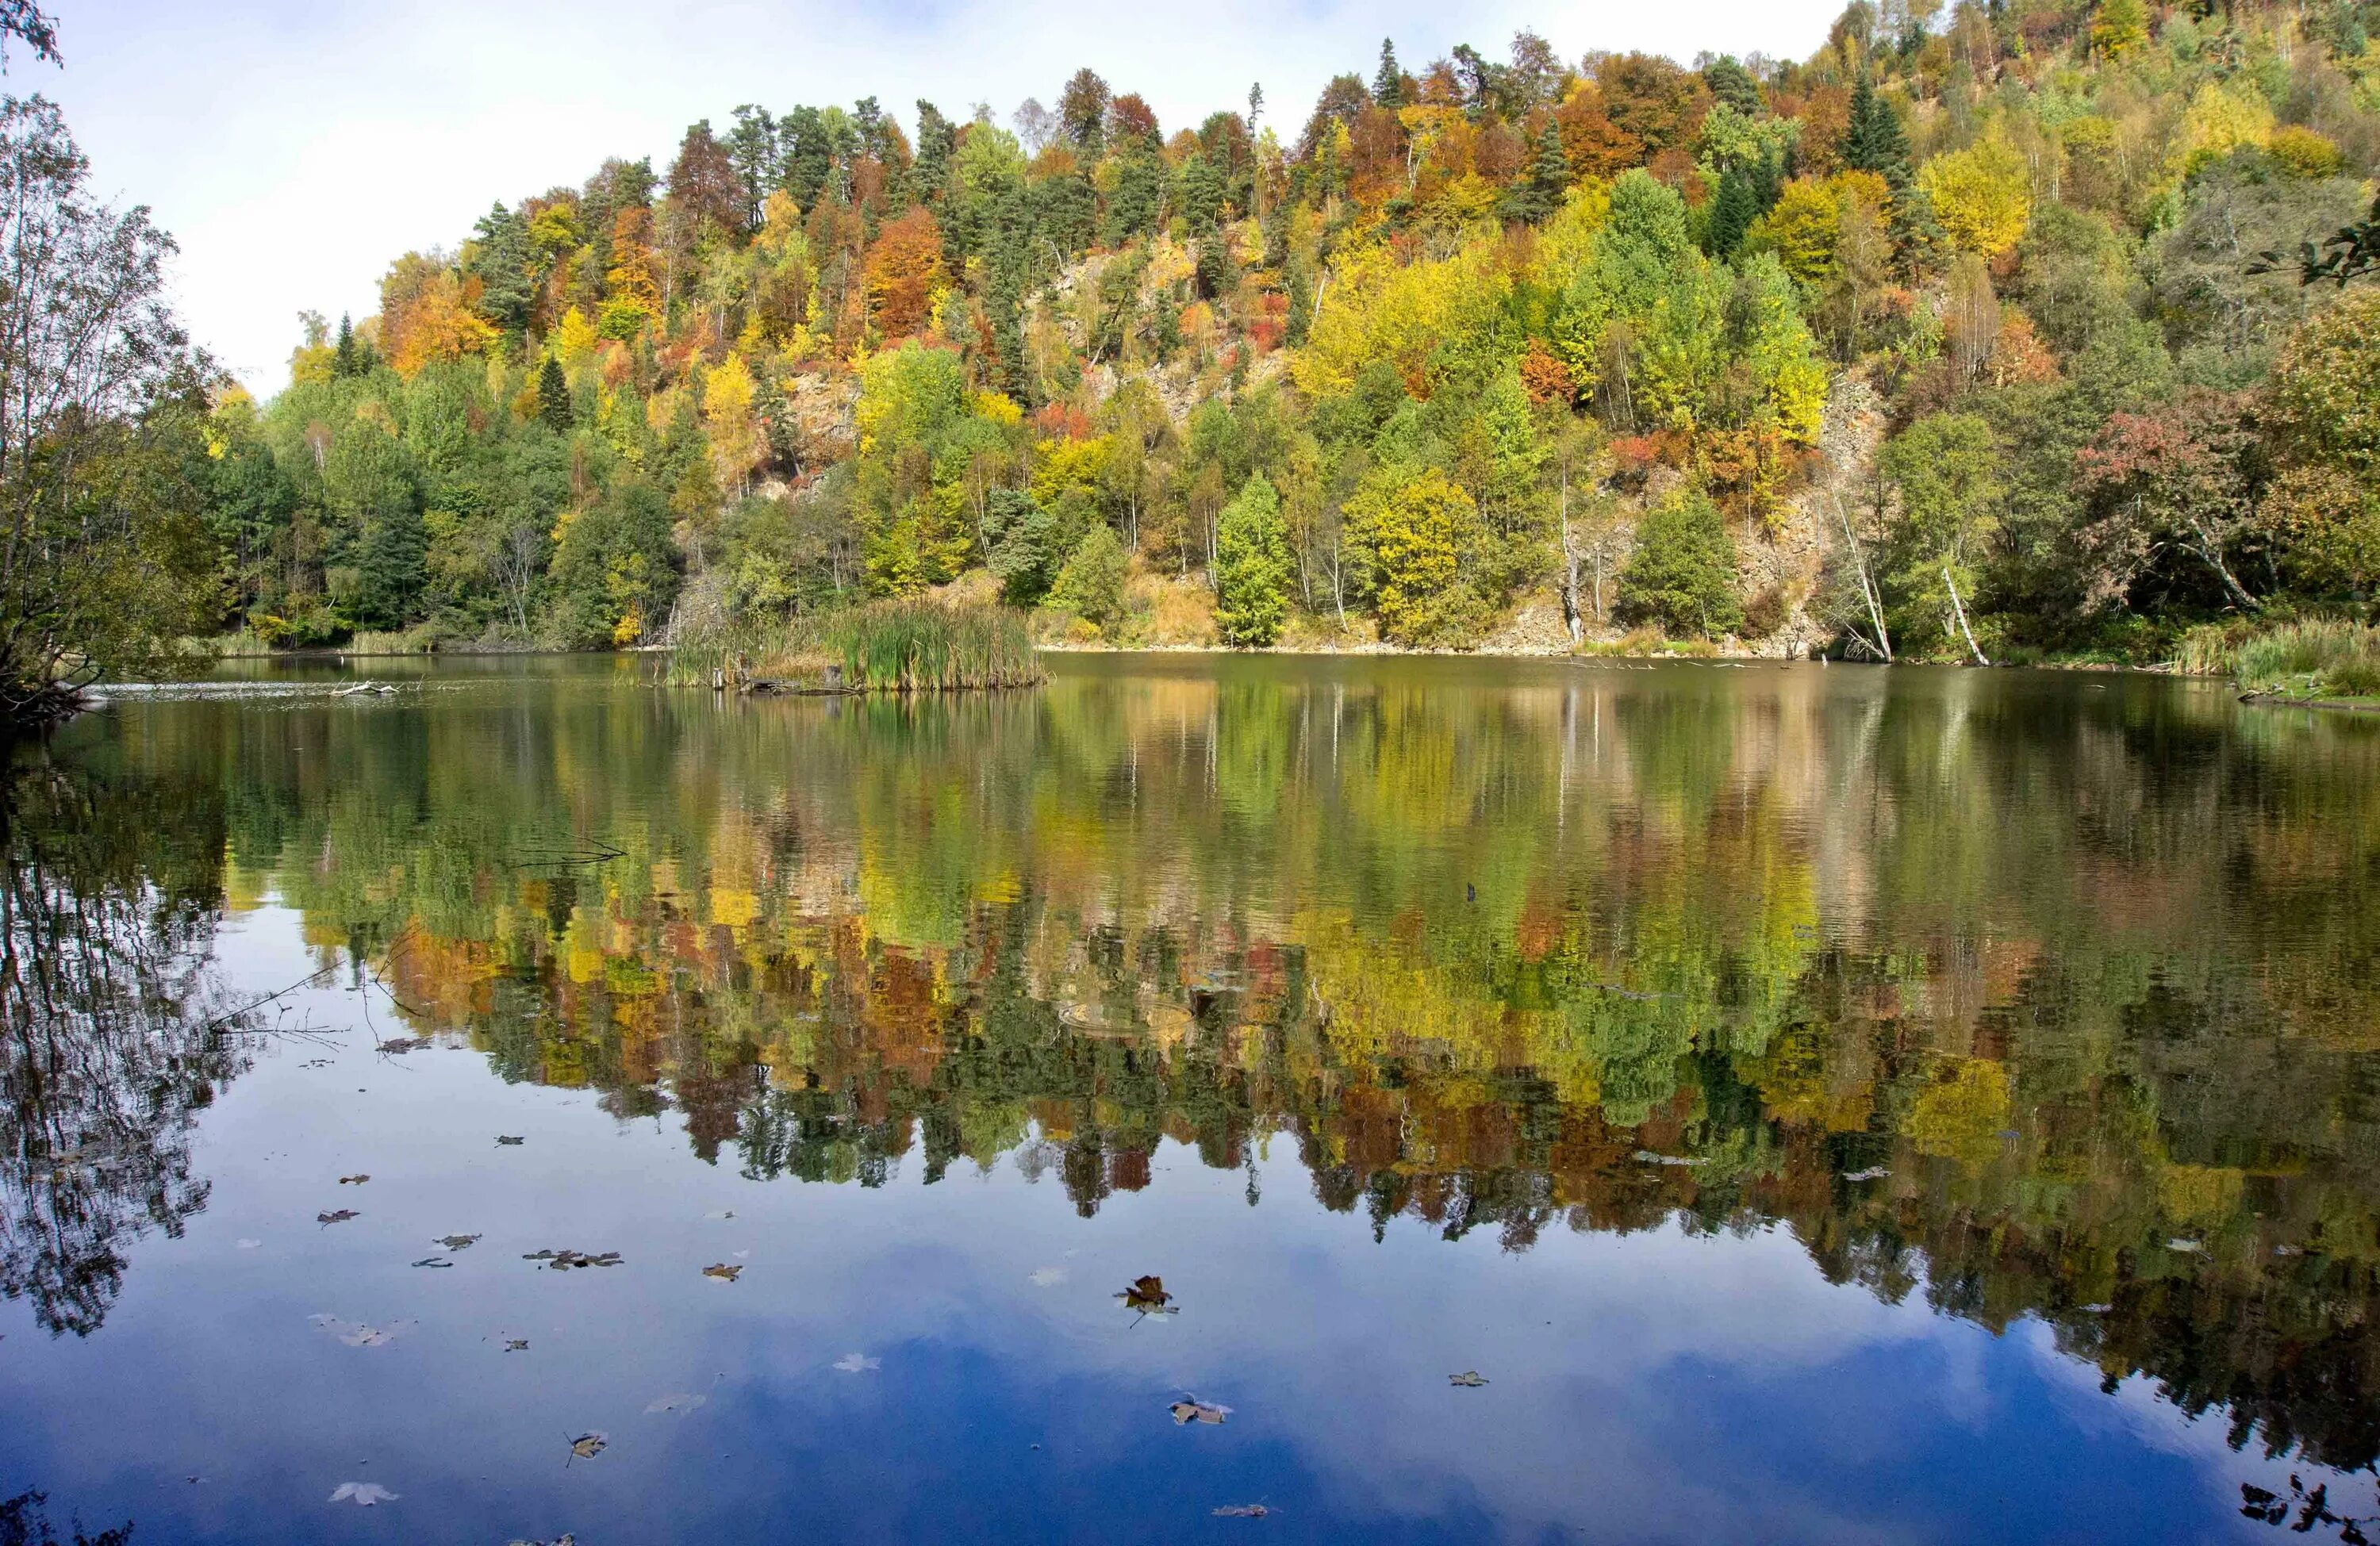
x=1874 y=140
x=347 y=360
x=553 y=398
x=1389 y=84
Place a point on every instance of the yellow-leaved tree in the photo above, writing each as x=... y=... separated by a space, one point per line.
x=1981 y=195
x=734 y=428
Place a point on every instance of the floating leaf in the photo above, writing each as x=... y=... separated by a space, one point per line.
x=857 y=1363
x=1186 y=1412
x=587 y=1447
x=723 y=1213
x=353 y=1180
x=1243 y=1511
x=516 y=1344
x=1470 y=1378
x=456 y=1242
x=1147 y=1294
x=501 y=1140
x=402 y=1045
x=562 y=1261
x=434 y=1261
x=339 y=1216
x=356 y=1334
x=681 y=1402
x=722 y=1270
x=363 y=1493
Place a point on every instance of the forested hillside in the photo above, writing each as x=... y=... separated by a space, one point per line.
x=1961 y=315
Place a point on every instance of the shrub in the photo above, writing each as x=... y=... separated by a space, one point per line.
x=1681 y=573
x=1090 y=585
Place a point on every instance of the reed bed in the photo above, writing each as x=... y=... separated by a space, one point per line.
x=2308 y=657
x=882 y=647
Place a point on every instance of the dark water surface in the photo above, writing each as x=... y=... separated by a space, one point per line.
x=1824 y=1104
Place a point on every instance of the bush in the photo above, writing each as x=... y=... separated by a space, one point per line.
x=1681 y=573
x=1253 y=566
x=1090 y=585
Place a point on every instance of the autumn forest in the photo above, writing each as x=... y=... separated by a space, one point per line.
x=1951 y=340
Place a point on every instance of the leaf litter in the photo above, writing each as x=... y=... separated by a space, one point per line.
x=722 y=1270
x=456 y=1242
x=587 y=1447
x=1187 y=1412
x=337 y=1215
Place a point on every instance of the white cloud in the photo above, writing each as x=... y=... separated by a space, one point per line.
x=294 y=148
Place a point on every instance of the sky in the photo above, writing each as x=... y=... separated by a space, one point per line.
x=295 y=148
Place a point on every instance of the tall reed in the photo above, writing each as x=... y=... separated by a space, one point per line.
x=904 y=646
x=2309 y=658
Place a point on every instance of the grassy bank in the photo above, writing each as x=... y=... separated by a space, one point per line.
x=2315 y=660
x=883 y=647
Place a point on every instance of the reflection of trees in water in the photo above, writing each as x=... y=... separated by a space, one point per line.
x=107 y=911
x=2079 y=973
x=25 y=1521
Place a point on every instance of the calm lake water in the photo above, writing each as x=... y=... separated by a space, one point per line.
x=1821 y=1104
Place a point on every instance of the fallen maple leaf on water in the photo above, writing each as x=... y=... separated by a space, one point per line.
x=587 y=1447
x=363 y=1493
x=722 y=1270
x=1187 y=1412
x=1148 y=1296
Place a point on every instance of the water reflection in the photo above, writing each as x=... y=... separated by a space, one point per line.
x=2030 y=995
x=111 y=1040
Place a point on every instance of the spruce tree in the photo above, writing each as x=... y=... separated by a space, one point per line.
x=1539 y=196
x=1733 y=209
x=553 y=398
x=1874 y=140
x=347 y=360
x=1389 y=84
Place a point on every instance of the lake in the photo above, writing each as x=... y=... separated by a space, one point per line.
x=1559 y=1102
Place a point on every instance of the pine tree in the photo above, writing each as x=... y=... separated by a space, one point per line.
x=1389 y=85
x=347 y=360
x=1874 y=140
x=553 y=398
